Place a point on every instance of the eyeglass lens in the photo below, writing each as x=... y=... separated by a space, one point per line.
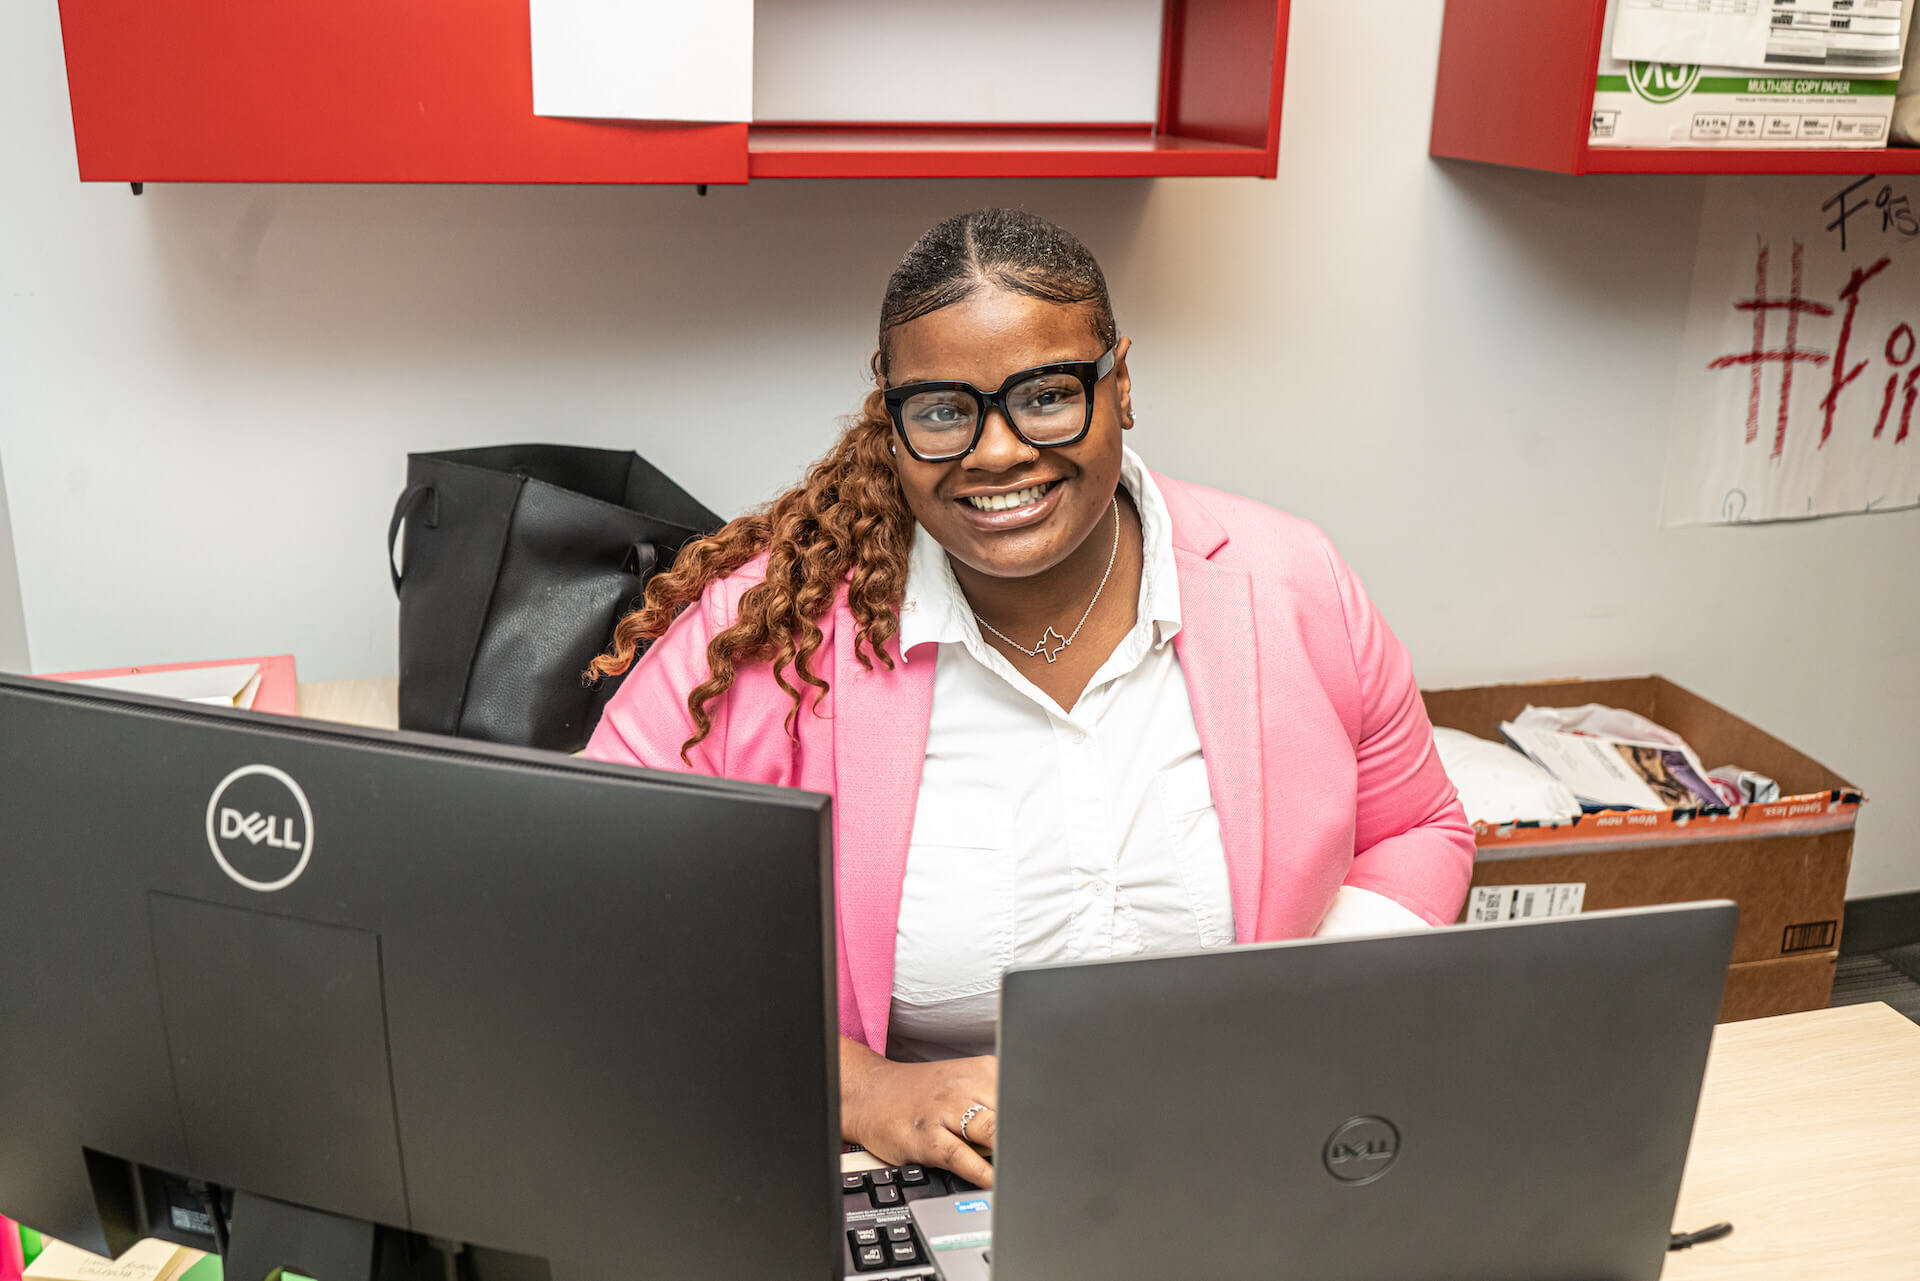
x=1046 y=409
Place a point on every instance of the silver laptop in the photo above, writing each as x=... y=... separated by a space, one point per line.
x=1504 y=1102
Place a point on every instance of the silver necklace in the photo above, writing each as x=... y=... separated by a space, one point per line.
x=1053 y=642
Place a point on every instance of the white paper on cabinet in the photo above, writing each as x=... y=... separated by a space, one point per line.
x=643 y=59
x=1787 y=37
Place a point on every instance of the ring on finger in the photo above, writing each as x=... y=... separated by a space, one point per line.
x=968 y=1115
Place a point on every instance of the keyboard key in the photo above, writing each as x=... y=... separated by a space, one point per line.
x=899 y=1232
x=935 y=1185
x=959 y=1184
x=879 y=1177
x=913 y=1175
x=853 y=1182
x=869 y=1258
x=863 y=1236
x=884 y=1195
x=902 y=1252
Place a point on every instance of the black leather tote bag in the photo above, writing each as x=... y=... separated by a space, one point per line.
x=519 y=560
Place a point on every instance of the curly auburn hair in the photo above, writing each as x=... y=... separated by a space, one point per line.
x=847 y=524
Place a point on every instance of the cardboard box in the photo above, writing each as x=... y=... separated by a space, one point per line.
x=1762 y=989
x=1657 y=104
x=1785 y=863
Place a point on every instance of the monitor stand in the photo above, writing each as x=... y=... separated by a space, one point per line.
x=259 y=1236
x=265 y=1235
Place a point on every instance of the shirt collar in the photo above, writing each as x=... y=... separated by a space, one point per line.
x=933 y=609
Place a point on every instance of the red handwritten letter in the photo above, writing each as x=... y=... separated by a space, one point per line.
x=1841 y=374
x=1788 y=356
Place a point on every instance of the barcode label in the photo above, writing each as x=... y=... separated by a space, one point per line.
x=186 y=1220
x=1809 y=937
x=1521 y=902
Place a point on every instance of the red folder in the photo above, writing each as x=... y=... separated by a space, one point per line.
x=278 y=690
x=10 y=1253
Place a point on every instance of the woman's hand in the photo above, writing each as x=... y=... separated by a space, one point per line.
x=910 y=1113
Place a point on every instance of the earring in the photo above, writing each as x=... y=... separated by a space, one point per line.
x=894 y=449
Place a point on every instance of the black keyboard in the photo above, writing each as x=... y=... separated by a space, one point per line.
x=881 y=1240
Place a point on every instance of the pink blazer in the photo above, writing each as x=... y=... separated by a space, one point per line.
x=1318 y=748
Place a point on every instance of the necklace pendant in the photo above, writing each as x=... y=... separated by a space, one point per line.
x=1050 y=645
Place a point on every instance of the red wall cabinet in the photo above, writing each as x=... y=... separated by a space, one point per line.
x=441 y=91
x=1516 y=88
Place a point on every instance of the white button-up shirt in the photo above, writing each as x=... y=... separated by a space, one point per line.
x=1044 y=834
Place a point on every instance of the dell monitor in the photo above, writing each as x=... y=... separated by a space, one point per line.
x=371 y=1005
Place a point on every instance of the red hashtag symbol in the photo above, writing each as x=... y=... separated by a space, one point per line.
x=1786 y=357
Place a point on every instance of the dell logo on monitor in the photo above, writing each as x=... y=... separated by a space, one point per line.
x=1362 y=1149
x=256 y=828
x=260 y=827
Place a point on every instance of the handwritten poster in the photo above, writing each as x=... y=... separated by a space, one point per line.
x=1800 y=368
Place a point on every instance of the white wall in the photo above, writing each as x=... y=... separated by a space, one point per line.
x=207 y=394
x=13 y=621
x=912 y=60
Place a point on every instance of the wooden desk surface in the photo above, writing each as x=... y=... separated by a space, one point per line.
x=374 y=702
x=1808 y=1142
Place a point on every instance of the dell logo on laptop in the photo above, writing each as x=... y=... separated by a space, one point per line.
x=1362 y=1149
x=260 y=827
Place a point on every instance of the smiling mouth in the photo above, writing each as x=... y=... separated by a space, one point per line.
x=1012 y=501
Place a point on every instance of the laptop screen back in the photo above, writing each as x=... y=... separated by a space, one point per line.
x=1496 y=1103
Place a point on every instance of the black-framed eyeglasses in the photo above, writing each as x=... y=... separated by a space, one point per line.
x=1048 y=406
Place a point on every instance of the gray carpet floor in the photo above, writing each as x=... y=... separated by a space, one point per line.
x=1892 y=976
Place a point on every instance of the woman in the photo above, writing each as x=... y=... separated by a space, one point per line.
x=1067 y=709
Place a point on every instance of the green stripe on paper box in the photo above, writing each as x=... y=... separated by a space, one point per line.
x=1801 y=86
x=1778 y=86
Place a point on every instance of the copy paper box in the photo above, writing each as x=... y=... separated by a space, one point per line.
x=1657 y=104
x=147 y=1261
x=1784 y=863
